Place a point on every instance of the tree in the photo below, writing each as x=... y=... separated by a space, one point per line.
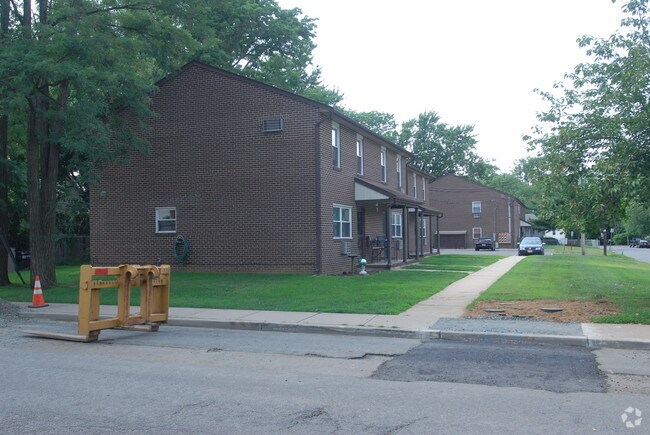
x=4 y=162
x=381 y=123
x=638 y=220
x=442 y=149
x=69 y=68
x=594 y=139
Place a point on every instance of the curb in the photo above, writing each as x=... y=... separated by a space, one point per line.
x=424 y=335
x=512 y=338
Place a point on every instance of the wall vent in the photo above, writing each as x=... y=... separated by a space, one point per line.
x=271 y=125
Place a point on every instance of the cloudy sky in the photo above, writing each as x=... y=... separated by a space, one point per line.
x=472 y=61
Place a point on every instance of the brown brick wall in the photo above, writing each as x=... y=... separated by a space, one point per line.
x=454 y=195
x=245 y=199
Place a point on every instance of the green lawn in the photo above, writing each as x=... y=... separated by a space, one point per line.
x=389 y=292
x=621 y=280
x=462 y=260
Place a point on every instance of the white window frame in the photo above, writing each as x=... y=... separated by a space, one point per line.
x=415 y=185
x=336 y=145
x=399 y=171
x=396 y=225
x=382 y=162
x=480 y=233
x=159 y=211
x=359 y=154
x=476 y=207
x=339 y=223
x=424 y=189
x=424 y=228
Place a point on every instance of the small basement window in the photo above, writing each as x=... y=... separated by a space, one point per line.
x=165 y=219
x=271 y=125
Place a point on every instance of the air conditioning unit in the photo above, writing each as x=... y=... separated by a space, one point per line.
x=271 y=125
x=346 y=248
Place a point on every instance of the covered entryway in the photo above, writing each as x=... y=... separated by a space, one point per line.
x=453 y=239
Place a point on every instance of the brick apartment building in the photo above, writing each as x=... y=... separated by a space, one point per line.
x=247 y=177
x=472 y=210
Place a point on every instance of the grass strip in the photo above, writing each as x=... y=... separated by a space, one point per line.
x=621 y=280
x=389 y=292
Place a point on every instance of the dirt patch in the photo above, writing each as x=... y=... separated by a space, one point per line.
x=571 y=311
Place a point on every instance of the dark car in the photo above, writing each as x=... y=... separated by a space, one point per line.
x=23 y=259
x=634 y=242
x=643 y=244
x=484 y=243
x=531 y=246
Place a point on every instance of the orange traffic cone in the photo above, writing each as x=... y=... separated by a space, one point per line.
x=37 y=299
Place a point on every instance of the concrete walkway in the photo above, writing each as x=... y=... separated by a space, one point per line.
x=416 y=322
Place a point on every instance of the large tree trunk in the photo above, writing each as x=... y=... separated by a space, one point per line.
x=4 y=198
x=4 y=175
x=42 y=177
x=43 y=155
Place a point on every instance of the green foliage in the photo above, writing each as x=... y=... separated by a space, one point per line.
x=69 y=70
x=638 y=220
x=443 y=149
x=379 y=122
x=593 y=140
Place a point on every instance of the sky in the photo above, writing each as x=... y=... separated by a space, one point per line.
x=473 y=62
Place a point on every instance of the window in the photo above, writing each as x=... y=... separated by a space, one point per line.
x=424 y=228
x=477 y=233
x=399 y=172
x=396 y=224
x=383 y=164
x=336 y=145
x=342 y=222
x=165 y=219
x=359 y=155
x=415 y=185
x=424 y=189
x=476 y=209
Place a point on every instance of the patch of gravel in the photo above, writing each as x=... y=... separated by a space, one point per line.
x=508 y=325
x=9 y=313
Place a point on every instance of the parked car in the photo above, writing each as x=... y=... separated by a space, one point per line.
x=531 y=246
x=23 y=259
x=634 y=242
x=484 y=243
x=643 y=244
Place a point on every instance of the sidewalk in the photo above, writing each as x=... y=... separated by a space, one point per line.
x=417 y=322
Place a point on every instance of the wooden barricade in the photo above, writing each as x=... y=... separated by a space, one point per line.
x=153 y=281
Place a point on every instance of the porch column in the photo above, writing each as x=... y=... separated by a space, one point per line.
x=405 y=233
x=417 y=227
x=438 y=234
x=430 y=235
x=389 y=236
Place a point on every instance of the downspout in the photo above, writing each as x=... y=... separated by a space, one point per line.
x=318 y=201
